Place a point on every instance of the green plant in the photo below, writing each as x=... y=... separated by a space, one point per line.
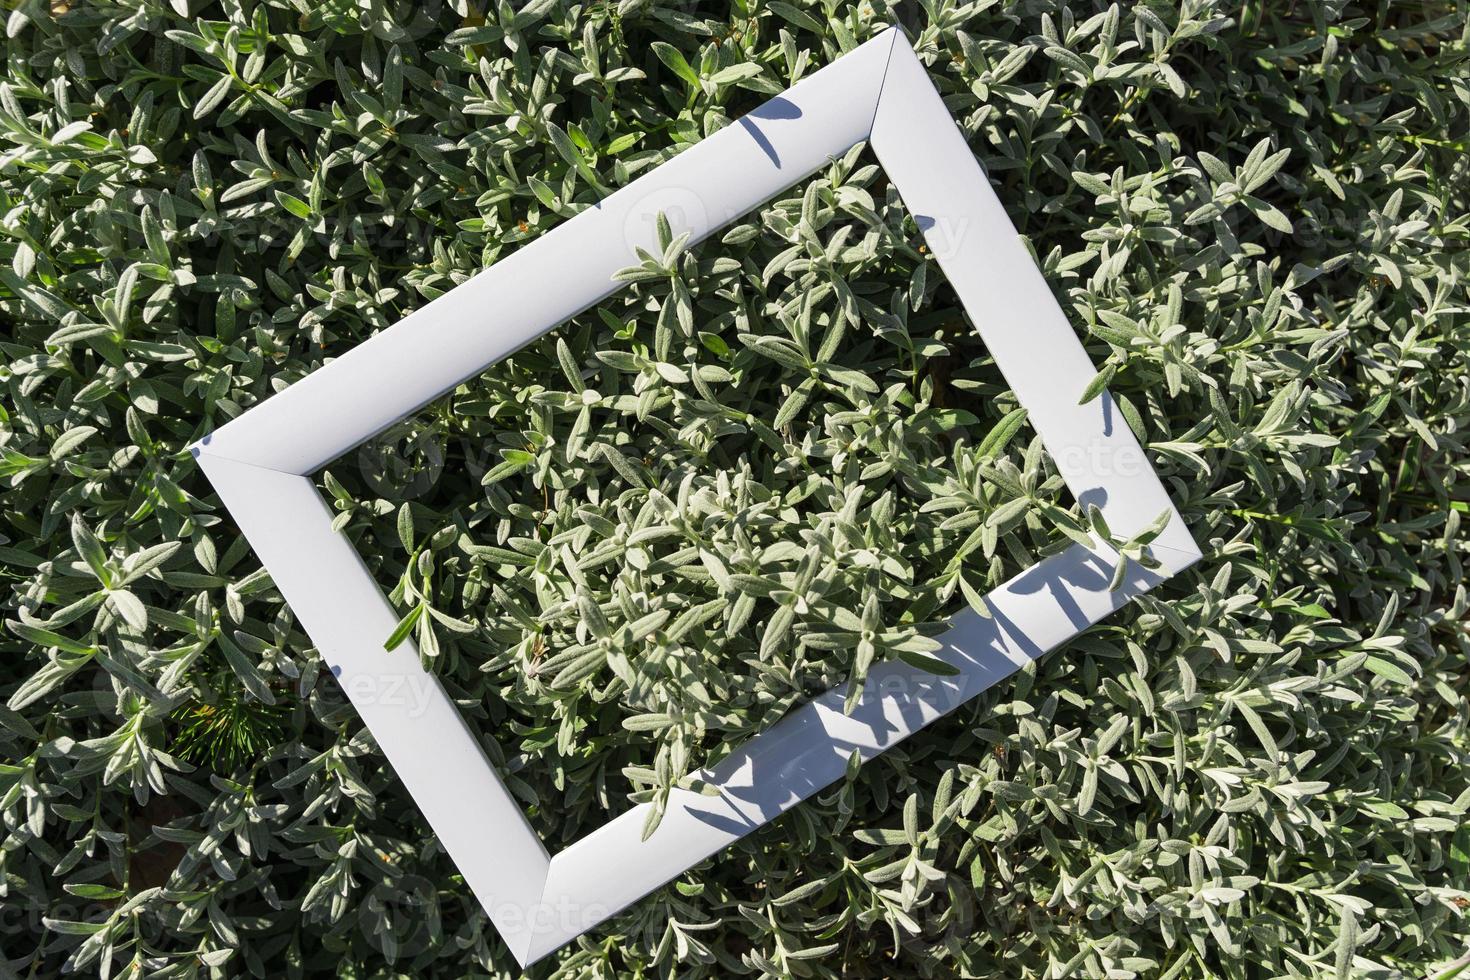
x=772 y=458
x=225 y=727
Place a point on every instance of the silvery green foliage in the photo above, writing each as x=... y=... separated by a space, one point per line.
x=772 y=458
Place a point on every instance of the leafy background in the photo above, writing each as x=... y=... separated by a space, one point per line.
x=1255 y=214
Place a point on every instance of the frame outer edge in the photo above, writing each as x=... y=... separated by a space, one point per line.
x=878 y=91
x=412 y=718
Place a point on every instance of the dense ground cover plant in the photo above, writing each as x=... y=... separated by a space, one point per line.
x=1256 y=214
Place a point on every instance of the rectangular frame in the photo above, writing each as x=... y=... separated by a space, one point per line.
x=261 y=465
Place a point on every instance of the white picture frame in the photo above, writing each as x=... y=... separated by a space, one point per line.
x=262 y=463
